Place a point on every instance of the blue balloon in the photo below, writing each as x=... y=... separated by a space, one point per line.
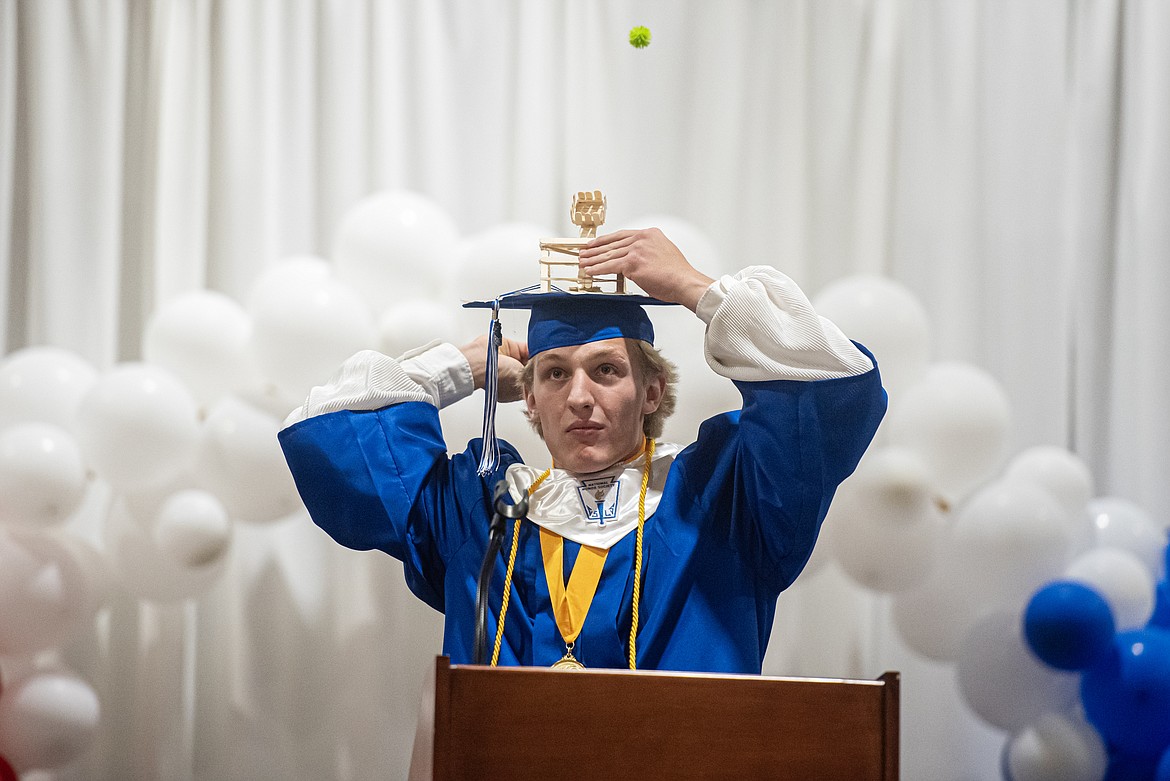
x=1161 y=616
x=1127 y=697
x=1163 y=771
x=1068 y=625
x=1127 y=768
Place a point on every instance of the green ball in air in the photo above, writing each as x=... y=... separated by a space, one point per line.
x=639 y=37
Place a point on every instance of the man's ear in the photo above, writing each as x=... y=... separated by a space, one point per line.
x=655 y=389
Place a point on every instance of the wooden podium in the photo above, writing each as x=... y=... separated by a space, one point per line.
x=533 y=723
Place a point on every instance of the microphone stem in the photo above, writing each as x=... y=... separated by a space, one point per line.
x=495 y=541
x=501 y=511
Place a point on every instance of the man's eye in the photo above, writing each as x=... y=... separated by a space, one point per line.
x=556 y=374
x=607 y=368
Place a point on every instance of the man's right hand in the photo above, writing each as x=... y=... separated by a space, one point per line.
x=512 y=357
x=649 y=259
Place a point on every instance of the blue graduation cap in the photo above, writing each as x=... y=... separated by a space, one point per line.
x=562 y=319
x=558 y=319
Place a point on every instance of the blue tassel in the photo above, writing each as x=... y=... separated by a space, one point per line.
x=489 y=459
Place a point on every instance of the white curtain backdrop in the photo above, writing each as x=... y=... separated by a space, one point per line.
x=1006 y=161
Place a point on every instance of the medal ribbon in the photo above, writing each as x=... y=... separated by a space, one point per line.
x=570 y=603
x=648 y=451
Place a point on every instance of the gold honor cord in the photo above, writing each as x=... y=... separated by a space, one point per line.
x=638 y=557
x=512 y=566
x=594 y=561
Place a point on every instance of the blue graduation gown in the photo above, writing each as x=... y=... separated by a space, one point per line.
x=739 y=515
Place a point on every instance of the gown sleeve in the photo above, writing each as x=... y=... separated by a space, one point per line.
x=812 y=402
x=369 y=460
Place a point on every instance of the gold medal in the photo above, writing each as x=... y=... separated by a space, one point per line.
x=568 y=661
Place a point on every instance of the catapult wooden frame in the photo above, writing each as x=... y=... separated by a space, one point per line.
x=587 y=212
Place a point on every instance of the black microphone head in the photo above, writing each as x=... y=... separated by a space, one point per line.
x=501 y=506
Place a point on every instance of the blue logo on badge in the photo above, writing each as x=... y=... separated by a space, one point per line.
x=599 y=499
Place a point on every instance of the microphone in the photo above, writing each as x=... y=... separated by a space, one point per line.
x=501 y=513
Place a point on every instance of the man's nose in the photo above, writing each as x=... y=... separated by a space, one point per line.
x=580 y=390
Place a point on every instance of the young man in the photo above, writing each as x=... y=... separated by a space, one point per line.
x=673 y=557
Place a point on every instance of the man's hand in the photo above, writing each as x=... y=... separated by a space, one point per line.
x=649 y=259
x=512 y=357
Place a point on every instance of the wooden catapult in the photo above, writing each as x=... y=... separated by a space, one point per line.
x=587 y=212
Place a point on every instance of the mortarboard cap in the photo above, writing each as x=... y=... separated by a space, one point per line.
x=559 y=319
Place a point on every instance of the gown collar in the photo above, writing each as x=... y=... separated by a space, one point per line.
x=597 y=509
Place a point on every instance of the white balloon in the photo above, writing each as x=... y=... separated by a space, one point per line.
x=289 y=273
x=47 y=720
x=1002 y=681
x=701 y=393
x=499 y=260
x=1119 y=523
x=393 y=246
x=192 y=529
x=407 y=326
x=887 y=318
x=138 y=426
x=305 y=324
x=692 y=241
x=94 y=574
x=885 y=526
x=46 y=593
x=201 y=337
x=144 y=569
x=933 y=619
x=270 y=399
x=43 y=384
x=822 y=554
x=956 y=417
x=148 y=502
x=1057 y=747
x=502 y=258
x=241 y=462
x=1057 y=471
x=1012 y=537
x=1122 y=579
x=42 y=476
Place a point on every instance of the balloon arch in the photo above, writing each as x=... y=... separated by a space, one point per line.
x=1052 y=603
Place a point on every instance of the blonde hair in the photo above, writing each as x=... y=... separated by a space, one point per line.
x=649 y=364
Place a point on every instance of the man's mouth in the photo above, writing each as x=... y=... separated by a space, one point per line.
x=585 y=425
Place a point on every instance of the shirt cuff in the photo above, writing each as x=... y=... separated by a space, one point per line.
x=441 y=369
x=712 y=298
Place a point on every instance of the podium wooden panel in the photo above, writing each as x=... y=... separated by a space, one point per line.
x=534 y=723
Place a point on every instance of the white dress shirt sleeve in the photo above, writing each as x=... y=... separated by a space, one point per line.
x=437 y=373
x=761 y=326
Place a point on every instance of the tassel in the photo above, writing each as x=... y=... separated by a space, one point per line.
x=489 y=459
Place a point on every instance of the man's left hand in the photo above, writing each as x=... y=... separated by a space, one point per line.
x=511 y=358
